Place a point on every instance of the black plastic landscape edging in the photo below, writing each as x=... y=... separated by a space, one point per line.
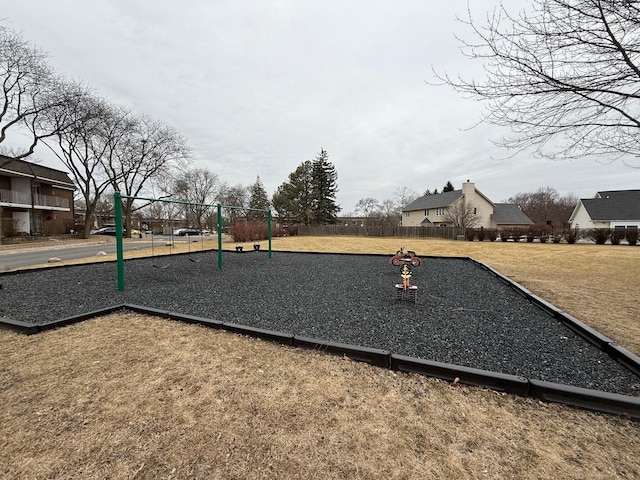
x=624 y=357
x=602 y=342
x=372 y=356
x=180 y=317
x=78 y=318
x=594 y=400
x=455 y=373
x=585 y=398
x=261 y=333
x=18 y=326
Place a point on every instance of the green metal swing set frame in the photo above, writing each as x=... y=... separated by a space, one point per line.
x=118 y=197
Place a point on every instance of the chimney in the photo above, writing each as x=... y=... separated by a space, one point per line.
x=468 y=189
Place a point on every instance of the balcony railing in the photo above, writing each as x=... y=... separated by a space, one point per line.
x=11 y=196
x=24 y=198
x=50 y=201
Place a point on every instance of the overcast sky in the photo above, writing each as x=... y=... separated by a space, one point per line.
x=257 y=87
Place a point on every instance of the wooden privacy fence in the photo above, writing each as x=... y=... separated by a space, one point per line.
x=377 y=231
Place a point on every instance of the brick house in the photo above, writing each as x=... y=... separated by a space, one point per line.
x=34 y=199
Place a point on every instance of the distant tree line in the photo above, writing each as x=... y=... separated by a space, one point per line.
x=107 y=147
x=546 y=206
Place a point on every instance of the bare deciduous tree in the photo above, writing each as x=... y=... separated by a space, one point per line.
x=202 y=187
x=29 y=90
x=564 y=76
x=390 y=212
x=139 y=149
x=236 y=196
x=461 y=214
x=367 y=207
x=79 y=123
x=545 y=206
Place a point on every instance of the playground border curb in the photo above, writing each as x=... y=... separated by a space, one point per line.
x=585 y=398
x=501 y=382
x=18 y=326
x=261 y=333
x=594 y=400
x=372 y=356
x=180 y=317
x=604 y=343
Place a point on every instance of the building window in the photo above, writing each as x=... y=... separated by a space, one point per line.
x=475 y=210
x=407 y=214
x=440 y=212
x=426 y=212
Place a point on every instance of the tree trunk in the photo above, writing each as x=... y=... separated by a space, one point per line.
x=88 y=222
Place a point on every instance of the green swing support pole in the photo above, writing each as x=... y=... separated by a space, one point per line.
x=269 y=230
x=119 y=227
x=119 y=248
x=219 y=208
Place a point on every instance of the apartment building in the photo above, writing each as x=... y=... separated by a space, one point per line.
x=34 y=199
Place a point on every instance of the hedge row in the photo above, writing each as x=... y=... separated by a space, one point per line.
x=571 y=235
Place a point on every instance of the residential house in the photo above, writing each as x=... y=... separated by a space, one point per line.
x=440 y=210
x=608 y=209
x=34 y=199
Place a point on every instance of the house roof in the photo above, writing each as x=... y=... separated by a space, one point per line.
x=10 y=166
x=613 y=205
x=434 y=201
x=510 y=214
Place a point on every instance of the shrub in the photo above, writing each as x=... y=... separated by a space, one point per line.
x=556 y=238
x=491 y=234
x=481 y=234
x=617 y=235
x=572 y=235
x=470 y=234
x=249 y=231
x=519 y=233
x=632 y=235
x=543 y=238
x=599 y=235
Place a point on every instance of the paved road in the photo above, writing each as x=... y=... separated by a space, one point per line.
x=11 y=259
x=23 y=257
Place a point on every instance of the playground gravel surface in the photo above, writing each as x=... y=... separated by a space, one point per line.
x=464 y=315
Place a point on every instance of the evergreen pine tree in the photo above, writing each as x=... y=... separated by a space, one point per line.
x=324 y=188
x=258 y=199
x=448 y=187
x=292 y=200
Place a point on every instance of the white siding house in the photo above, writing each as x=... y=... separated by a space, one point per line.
x=435 y=210
x=609 y=209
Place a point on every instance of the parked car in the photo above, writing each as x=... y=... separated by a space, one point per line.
x=188 y=231
x=108 y=231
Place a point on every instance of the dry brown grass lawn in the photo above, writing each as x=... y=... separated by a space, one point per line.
x=129 y=396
